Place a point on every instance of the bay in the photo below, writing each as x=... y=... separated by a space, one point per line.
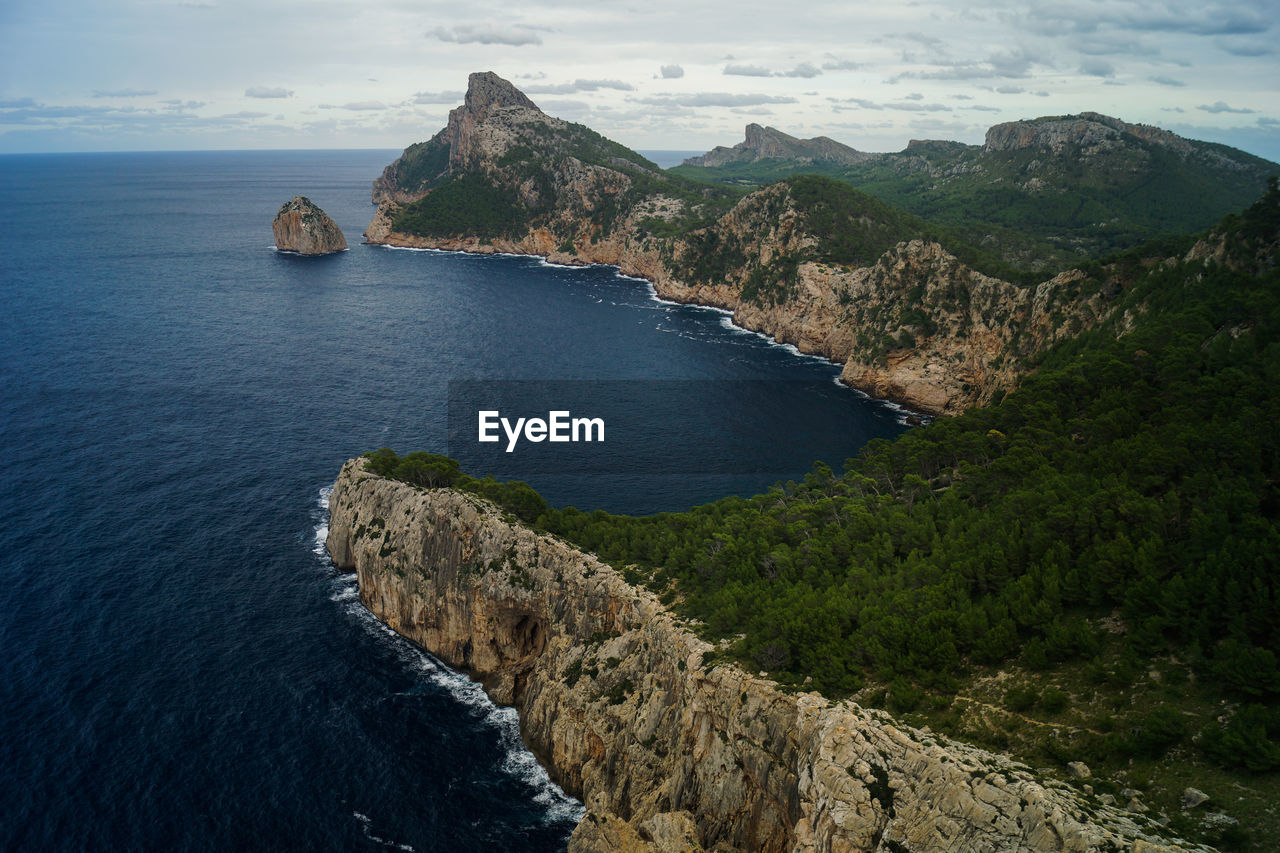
x=182 y=668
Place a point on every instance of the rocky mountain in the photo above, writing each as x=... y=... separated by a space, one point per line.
x=910 y=312
x=300 y=226
x=767 y=143
x=1042 y=193
x=671 y=752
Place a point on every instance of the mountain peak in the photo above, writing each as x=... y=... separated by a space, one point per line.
x=487 y=91
x=769 y=143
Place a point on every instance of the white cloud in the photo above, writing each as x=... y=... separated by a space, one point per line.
x=1097 y=68
x=804 y=69
x=671 y=72
x=267 y=92
x=578 y=86
x=438 y=97
x=1165 y=81
x=714 y=99
x=123 y=93
x=835 y=63
x=513 y=35
x=746 y=71
x=1222 y=107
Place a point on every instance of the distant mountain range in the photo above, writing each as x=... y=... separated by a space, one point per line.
x=1042 y=193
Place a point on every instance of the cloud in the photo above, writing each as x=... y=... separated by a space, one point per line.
x=1097 y=68
x=438 y=97
x=267 y=92
x=671 y=72
x=746 y=71
x=1009 y=90
x=513 y=35
x=1010 y=65
x=1245 y=47
x=911 y=106
x=364 y=106
x=1222 y=107
x=804 y=69
x=1202 y=20
x=17 y=103
x=123 y=93
x=835 y=63
x=1166 y=81
x=714 y=99
x=578 y=86
x=245 y=115
x=982 y=108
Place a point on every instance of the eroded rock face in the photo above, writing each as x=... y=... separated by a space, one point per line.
x=302 y=227
x=668 y=753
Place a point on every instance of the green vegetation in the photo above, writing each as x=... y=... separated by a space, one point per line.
x=423 y=165
x=1034 y=208
x=1086 y=571
x=468 y=205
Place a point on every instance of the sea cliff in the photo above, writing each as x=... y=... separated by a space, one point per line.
x=666 y=751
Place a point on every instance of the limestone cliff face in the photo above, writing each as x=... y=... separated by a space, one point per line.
x=670 y=754
x=915 y=325
x=302 y=227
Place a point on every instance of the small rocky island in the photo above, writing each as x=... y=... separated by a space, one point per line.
x=302 y=227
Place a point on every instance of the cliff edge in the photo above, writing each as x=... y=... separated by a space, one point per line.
x=669 y=753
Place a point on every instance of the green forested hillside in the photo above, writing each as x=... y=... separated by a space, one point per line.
x=1038 y=208
x=1089 y=570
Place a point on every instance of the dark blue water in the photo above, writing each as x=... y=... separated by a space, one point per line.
x=180 y=666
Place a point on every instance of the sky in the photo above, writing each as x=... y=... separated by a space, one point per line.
x=113 y=75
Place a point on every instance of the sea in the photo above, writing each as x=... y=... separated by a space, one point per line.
x=181 y=666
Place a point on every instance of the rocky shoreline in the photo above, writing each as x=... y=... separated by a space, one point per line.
x=669 y=753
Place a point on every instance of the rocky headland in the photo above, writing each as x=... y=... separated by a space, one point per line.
x=909 y=321
x=670 y=751
x=302 y=227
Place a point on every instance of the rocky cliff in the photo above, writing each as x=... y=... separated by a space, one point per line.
x=908 y=321
x=768 y=143
x=302 y=227
x=667 y=752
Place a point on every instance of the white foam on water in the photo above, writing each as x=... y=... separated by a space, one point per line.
x=517 y=761
x=367 y=825
x=421 y=249
x=322 y=527
x=546 y=263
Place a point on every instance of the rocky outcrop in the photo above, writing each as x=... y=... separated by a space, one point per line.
x=302 y=227
x=1094 y=133
x=669 y=752
x=768 y=143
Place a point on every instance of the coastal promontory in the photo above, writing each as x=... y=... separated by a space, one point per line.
x=302 y=227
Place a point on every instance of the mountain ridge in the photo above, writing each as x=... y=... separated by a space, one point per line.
x=808 y=261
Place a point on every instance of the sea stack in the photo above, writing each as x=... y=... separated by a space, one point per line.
x=302 y=227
